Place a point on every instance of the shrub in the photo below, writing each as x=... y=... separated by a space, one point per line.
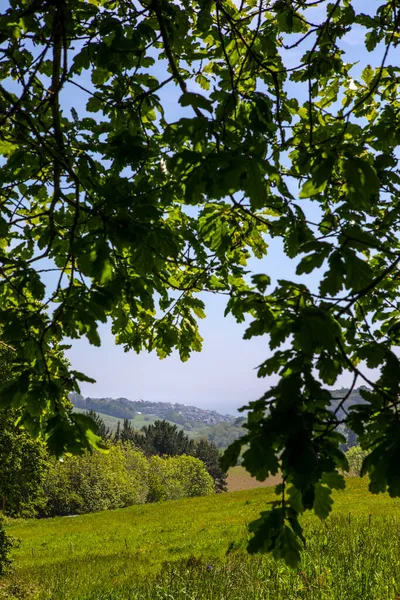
x=355 y=457
x=6 y=545
x=174 y=477
x=23 y=465
x=137 y=467
x=96 y=481
x=196 y=480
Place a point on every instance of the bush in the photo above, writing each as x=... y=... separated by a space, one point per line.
x=355 y=457
x=121 y=477
x=96 y=481
x=196 y=480
x=6 y=545
x=175 y=477
x=23 y=465
x=137 y=467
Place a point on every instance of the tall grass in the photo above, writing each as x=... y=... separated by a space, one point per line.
x=195 y=550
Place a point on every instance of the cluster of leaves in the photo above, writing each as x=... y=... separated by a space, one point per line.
x=94 y=226
x=135 y=213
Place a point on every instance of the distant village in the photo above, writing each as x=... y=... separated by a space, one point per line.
x=175 y=412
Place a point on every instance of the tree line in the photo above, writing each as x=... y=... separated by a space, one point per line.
x=158 y=463
x=162 y=438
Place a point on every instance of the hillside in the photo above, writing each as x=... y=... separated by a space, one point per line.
x=111 y=422
x=188 y=416
x=194 y=548
x=354 y=398
x=197 y=422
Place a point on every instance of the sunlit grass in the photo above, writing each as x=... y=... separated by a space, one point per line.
x=194 y=549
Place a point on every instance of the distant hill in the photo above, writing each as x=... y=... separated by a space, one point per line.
x=138 y=421
x=342 y=409
x=111 y=422
x=354 y=398
x=197 y=422
x=189 y=417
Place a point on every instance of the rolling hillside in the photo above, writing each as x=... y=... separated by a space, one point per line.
x=138 y=421
x=197 y=422
x=189 y=417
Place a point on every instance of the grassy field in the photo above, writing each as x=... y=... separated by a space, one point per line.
x=194 y=550
x=138 y=421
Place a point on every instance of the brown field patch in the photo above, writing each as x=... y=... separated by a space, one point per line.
x=240 y=479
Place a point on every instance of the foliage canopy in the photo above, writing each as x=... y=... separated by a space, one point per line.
x=119 y=211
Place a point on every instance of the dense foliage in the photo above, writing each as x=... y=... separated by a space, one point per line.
x=174 y=477
x=23 y=465
x=96 y=481
x=6 y=545
x=121 y=477
x=163 y=439
x=134 y=212
x=209 y=454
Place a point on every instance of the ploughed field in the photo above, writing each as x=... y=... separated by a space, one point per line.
x=239 y=479
x=194 y=549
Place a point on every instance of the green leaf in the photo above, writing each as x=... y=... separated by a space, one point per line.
x=295 y=499
x=310 y=189
x=358 y=272
x=322 y=501
x=256 y=185
x=312 y=261
x=196 y=101
x=334 y=480
x=329 y=369
x=7 y=148
x=334 y=278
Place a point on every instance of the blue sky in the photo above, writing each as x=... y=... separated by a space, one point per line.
x=223 y=375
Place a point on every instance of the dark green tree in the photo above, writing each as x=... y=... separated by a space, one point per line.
x=163 y=439
x=117 y=434
x=102 y=430
x=127 y=432
x=210 y=455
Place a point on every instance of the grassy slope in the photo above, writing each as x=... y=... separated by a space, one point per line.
x=159 y=531
x=108 y=420
x=138 y=421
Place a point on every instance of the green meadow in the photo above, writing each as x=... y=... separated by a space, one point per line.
x=194 y=549
x=137 y=422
